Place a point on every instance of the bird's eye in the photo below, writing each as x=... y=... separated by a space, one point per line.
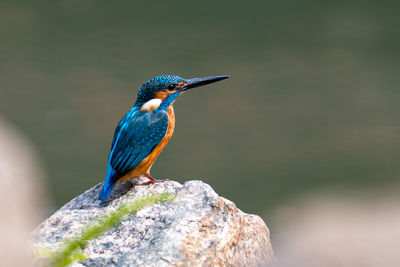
x=171 y=86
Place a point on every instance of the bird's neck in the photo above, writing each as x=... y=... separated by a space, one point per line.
x=161 y=102
x=154 y=104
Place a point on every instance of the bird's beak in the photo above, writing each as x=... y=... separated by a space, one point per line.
x=196 y=82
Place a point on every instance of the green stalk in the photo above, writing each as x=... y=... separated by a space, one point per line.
x=72 y=249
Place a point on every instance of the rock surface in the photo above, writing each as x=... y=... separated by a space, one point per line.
x=198 y=228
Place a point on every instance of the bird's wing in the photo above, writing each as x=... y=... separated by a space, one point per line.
x=135 y=138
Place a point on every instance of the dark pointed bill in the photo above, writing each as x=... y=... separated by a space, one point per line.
x=196 y=82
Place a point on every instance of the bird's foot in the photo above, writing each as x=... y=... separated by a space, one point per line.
x=152 y=180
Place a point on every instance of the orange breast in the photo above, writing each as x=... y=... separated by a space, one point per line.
x=145 y=166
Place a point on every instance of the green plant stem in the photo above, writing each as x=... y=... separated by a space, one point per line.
x=72 y=250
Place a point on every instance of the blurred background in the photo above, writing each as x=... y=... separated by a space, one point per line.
x=310 y=114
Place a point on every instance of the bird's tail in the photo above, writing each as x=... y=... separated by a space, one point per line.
x=108 y=184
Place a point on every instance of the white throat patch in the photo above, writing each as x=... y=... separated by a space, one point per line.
x=151 y=104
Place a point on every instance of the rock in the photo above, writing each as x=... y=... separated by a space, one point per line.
x=198 y=228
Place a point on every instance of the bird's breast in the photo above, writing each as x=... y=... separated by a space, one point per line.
x=168 y=134
x=145 y=166
x=160 y=147
x=171 y=122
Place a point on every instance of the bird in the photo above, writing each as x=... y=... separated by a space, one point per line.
x=144 y=131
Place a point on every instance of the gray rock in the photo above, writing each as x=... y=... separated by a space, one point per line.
x=198 y=228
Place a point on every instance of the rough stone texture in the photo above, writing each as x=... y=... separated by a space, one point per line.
x=198 y=229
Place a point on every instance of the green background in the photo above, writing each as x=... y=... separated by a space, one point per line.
x=312 y=103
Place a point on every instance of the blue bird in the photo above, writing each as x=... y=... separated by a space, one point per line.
x=145 y=130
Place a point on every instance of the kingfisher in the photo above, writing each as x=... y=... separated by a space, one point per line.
x=145 y=130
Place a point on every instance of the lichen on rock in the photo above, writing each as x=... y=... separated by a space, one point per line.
x=198 y=228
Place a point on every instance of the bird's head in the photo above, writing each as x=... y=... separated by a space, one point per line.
x=163 y=90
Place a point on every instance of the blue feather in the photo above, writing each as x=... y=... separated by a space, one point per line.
x=108 y=183
x=135 y=137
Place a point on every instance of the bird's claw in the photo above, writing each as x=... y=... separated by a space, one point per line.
x=152 y=180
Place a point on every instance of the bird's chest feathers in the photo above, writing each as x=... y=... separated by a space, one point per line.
x=148 y=162
x=168 y=134
x=171 y=123
x=145 y=166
